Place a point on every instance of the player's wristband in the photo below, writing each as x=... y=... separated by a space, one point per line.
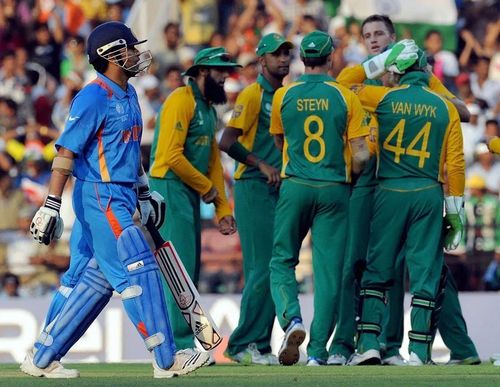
x=238 y=152
x=53 y=202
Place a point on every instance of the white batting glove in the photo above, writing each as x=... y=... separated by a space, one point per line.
x=47 y=225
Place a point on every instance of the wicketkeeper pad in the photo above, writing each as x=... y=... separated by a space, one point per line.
x=144 y=296
x=88 y=298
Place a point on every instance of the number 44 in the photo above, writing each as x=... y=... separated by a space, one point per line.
x=398 y=150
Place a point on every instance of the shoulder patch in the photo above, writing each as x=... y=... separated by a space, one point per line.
x=238 y=109
x=178 y=126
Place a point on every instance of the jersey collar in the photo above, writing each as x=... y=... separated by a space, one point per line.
x=416 y=78
x=195 y=88
x=315 y=78
x=262 y=80
x=118 y=92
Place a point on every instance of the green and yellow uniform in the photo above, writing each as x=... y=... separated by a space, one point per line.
x=317 y=117
x=255 y=203
x=419 y=131
x=185 y=163
x=453 y=328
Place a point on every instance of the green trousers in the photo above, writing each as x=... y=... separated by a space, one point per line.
x=360 y=213
x=323 y=208
x=255 y=204
x=407 y=212
x=183 y=227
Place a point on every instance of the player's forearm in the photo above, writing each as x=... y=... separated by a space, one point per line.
x=351 y=76
x=463 y=112
x=60 y=172
x=190 y=175
x=360 y=154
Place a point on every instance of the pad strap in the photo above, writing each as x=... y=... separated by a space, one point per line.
x=424 y=303
x=374 y=293
x=63 y=165
x=367 y=327
x=420 y=337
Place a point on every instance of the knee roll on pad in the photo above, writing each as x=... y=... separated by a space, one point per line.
x=145 y=290
x=374 y=293
x=421 y=302
x=87 y=299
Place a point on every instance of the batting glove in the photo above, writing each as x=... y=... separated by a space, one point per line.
x=47 y=225
x=454 y=221
x=150 y=204
x=396 y=59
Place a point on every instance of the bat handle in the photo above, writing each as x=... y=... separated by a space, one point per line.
x=155 y=234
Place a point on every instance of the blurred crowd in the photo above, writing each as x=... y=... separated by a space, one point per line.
x=43 y=65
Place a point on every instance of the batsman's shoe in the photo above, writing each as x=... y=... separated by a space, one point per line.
x=370 y=357
x=54 y=370
x=472 y=360
x=416 y=361
x=337 y=360
x=315 y=362
x=295 y=335
x=396 y=360
x=248 y=356
x=186 y=361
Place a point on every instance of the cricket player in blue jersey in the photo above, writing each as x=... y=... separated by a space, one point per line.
x=100 y=146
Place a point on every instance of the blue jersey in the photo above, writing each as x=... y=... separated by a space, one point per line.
x=104 y=130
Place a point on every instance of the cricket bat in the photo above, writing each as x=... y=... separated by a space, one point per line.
x=185 y=293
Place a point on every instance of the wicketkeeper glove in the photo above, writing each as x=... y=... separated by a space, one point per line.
x=150 y=204
x=454 y=221
x=396 y=59
x=47 y=225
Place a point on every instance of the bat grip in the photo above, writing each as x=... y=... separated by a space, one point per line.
x=155 y=234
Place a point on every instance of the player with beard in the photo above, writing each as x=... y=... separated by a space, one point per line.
x=257 y=175
x=185 y=165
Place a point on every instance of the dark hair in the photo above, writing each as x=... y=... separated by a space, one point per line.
x=432 y=32
x=170 y=25
x=11 y=104
x=171 y=69
x=313 y=62
x=491 y=121
x=100 y=65
x=379 y=18
x=11 y=277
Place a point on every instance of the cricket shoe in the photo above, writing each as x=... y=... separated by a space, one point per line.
x=416 y=361
x=295 y=335
x=370 y=357
x=248 y=356
x=396 y=360
x=54 y=370
x=185 y=361
x=336 y=360
x=271 y=359
x=315 y=362
x=472 y=360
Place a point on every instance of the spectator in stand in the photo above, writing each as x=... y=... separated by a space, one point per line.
x=72 y=83
x=464 y=92
x=46 y=50
x=75 y=58
x=492 y=276
x=10 y=286
x=482 y=227
x=199 y=22
x=472 y=132
x=11 y=202
x=482 y=87
x=11 y=84
x=491 y=129
x=444 y=63
x=171 y=80
x=487 y=167
x=170 y=54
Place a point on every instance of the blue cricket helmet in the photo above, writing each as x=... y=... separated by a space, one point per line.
x=108 y=35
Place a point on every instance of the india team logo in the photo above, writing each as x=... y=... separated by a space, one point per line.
x=119 y=109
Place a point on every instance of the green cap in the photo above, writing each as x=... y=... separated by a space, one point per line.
x=211 y=57
x=270 y=43
x=316 y=45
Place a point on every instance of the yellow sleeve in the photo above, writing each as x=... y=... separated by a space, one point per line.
x=276 y=123
x=216 y=175
x=373 y=137
x=358 y=119
x=370 y=96
x=175 y=116
x=454 y=157
x=351 y=75
x=246 y=109
x=436 y=86
x=494 y=145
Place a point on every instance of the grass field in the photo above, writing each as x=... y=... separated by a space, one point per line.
x=232 y=375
